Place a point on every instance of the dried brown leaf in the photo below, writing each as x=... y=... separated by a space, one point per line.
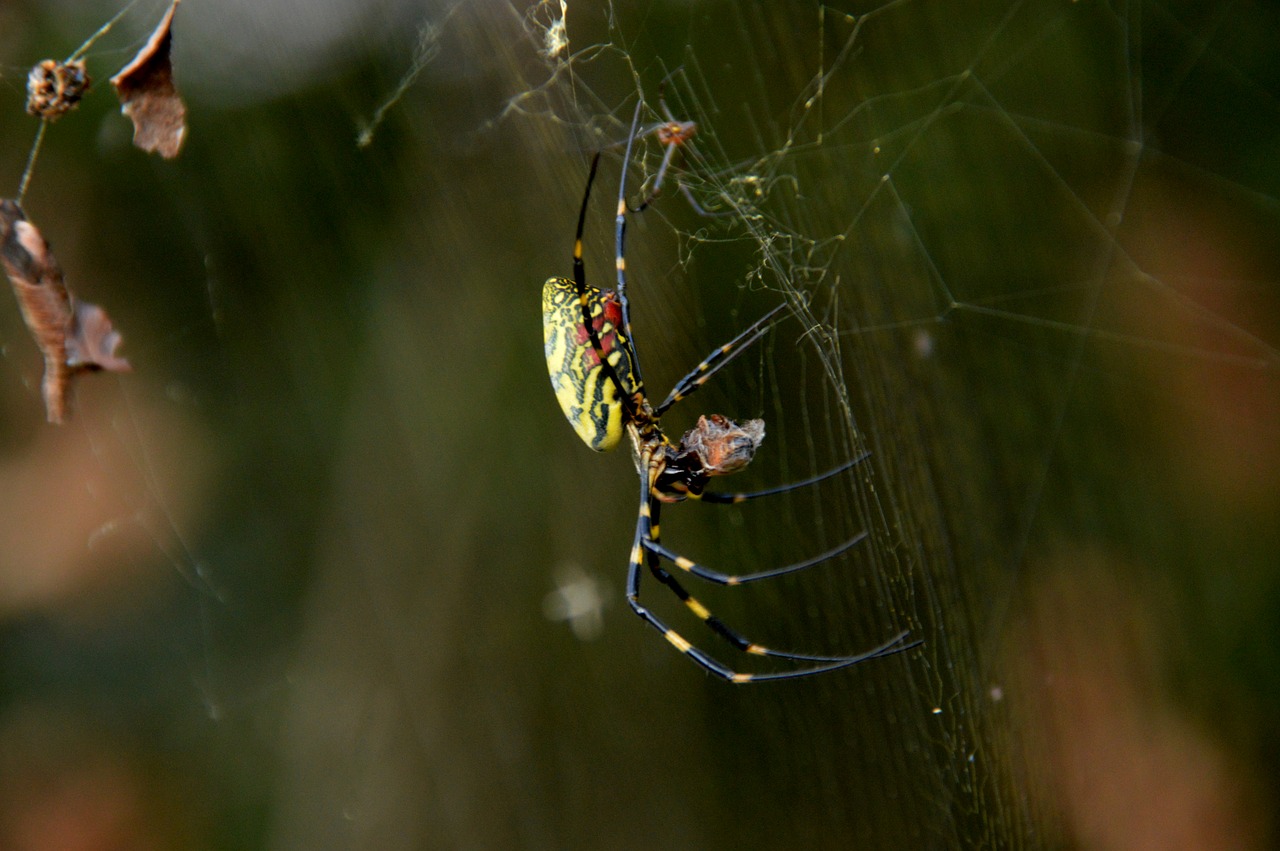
x=74 y=336
x=150 y=98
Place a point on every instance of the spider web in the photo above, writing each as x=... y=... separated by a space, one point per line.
x=330 y=564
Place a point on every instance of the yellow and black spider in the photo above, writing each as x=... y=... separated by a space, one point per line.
x=595 y=372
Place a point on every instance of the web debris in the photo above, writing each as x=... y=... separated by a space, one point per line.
x=148 y=95
x=555 y=32
x=427 y=49
x=55 y=88
x=73 y=335
x=145 y=87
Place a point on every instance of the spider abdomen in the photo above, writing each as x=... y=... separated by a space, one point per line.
x=588 y=397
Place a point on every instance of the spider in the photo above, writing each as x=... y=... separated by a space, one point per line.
x=672 y=134
x=595 y=372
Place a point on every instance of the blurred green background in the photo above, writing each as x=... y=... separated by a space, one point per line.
x=298 y=581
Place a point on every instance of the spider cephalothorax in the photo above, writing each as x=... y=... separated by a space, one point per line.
x=675 y=132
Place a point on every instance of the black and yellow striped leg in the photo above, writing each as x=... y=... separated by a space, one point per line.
x=730 y=498
x=620 y=235
x=713 y=666
x=633 y=600
x=721 y=356
x=719 y=578
x=647 y=531
x=737 y=640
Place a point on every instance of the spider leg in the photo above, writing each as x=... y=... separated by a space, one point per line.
x=620 y=234
x=719 y=578
x=717 y=359
x=684 y=190
x=732 y=498
x=735 y=638
x=657 y=181
x=698 y=208
x=645 y=528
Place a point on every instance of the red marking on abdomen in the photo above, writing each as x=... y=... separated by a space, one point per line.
x=606 y=328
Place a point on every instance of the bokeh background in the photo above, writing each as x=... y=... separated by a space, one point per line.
x=328 y=569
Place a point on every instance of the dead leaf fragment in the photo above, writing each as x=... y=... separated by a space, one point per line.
x=74 y=336
x=149 y=97
x=54 y=88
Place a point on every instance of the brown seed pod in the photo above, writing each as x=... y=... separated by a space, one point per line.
x=54 y=88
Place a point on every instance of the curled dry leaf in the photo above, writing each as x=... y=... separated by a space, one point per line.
x=149 y=97
x=54 y=88
x=74 y=336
